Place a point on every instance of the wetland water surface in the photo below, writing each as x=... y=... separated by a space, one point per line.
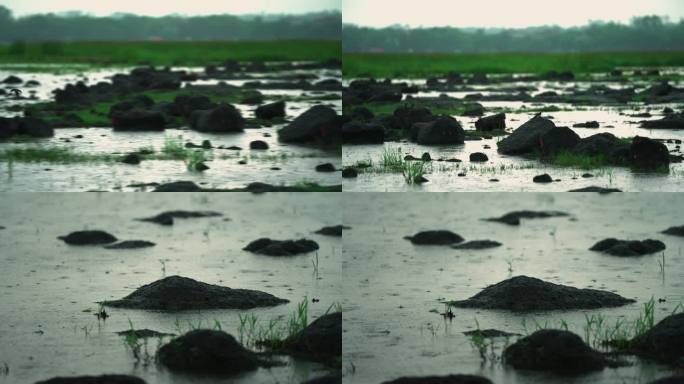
x=50 y=289
x=394 y=289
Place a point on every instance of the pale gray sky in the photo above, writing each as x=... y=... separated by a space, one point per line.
x=502 y=13
x=165 y=7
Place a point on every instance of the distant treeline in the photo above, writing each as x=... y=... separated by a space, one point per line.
x=642 y=34
x=125 y=27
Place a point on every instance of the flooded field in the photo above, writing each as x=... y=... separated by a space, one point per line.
x=617 y=104
x=48 y=323
x=396 y=321
x=85 y=153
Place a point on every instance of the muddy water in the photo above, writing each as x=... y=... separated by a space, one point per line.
x=295 y=163
x=391 y=286
x=47 y=285
x=514 y=174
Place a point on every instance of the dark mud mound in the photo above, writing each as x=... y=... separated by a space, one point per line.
x=490 y=333
x=596 y=189
x=131 y=244
x=335 y=230
x=143 y=333
x=626 y=248
x=513 y=218
x=266 y=246
x=664 y=342
x=176 y=293
x=104 y=379
x=94 y=237
x=554 y=350
x=523 y=293
x=329 y=379
x=321 y=340
x=450 y=379
x=477 y=244
x=166 y=218
x=438 y=237
x=207 y=351
x=675 y=231
x=179 y=186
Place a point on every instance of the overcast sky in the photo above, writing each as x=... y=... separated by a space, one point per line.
x=160 y=8
x=502 y=13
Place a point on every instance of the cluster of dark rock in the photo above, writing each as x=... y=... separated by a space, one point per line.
x=24 y=126
x=445 y=237
x=98 y=237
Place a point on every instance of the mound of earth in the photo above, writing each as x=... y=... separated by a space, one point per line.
x=490 y=333
x=143 y=333
x=556 y=351
x=437 y=237
x=208 y=351
x=596 y=189
x=266 y=246
x=523 y=293
x=450 y=379
x=513 y=218
x=321 y=340
x=131 y=244
x=179 y=186
x=166 y=218
x=664 y=342
x=335 y=230
x=477 y=244
x=618 y=247
x=675 y=231
x=94 y=237
x=104 y=379
x=176 y=293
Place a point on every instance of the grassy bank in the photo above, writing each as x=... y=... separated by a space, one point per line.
x=407 y=65
x=168 y=53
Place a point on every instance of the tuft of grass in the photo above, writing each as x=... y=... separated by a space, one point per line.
x=392 y=160
x=272 y=334
x=413 y=172
x=566 y=159
x=174 y=148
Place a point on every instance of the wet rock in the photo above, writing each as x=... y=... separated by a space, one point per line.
x=491 y=123
x=478 y=157
x=224 y=118
x=270 y=111
x=131 y=158
x=319 y=123
x=328 y=379
x=258 y=144
x=176 y=293
x=138 y=120
x=588 y=124
x=167 y=217
x=103 y=379
x=545 y=178
x=179 y=186
x=490 y=333
x=558 y=139
x=513 y=218
x=357 y=132
x=407 y=115
x=131 y=244
x=475 y=109
x=27 y=126
x=601 y=190
x=623 y=248
x=208 y=351
x=443 y=130
x=140 y=102
x=668 y=110
x=450 y=379
x=11 y=79
x=664 y=342
x=523 y=293
x=335 y=230
x=526 y=138
x=361 y=114
x=93 y=237
x=477 y=244
x=349 y=173
x=648 y=153
x=426 y=156
x=675 y=231
x=370 y=90
x=438 y=237
x=325 y=167
x=184 y=105
x=603 y=144
x=143 y=333
x=266 y=246
x=321 y=340
x=556 y=351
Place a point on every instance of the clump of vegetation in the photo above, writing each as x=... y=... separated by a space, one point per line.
x=274 y=332
x=174 y=148
x=487 y=347
x=566 y=159
x=392 y=160
x=138 y=346
x=413 y=172
x=195 y=160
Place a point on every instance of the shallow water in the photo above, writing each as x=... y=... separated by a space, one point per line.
x=391 y=286
x=296 y=162
x=47 y=284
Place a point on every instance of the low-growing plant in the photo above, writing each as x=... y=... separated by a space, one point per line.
x=414 y=171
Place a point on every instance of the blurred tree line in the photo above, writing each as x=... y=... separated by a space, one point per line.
x=75 y=26
x=643 y=33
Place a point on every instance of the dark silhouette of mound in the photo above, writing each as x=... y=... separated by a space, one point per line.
x=437 y=237
x=94 y=237
x=513 y=218
x=266 y=246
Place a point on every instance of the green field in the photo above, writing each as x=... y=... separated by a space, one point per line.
x=407 y=65
x=168 y=53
